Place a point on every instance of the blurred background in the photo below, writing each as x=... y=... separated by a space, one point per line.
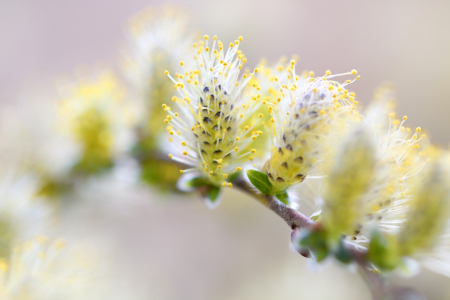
x=180 y=249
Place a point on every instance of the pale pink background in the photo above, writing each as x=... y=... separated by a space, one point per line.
x=404 y=42
x=240 y=250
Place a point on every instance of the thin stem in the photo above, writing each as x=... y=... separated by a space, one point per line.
x=296 y=220
x=292 y=217
x=376 y=284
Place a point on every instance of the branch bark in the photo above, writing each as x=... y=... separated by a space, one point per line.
x=379 y=288
x=292 y=217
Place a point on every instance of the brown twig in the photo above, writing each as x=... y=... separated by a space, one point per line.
x=296 y=220
x=379 y=288
x=292 y=217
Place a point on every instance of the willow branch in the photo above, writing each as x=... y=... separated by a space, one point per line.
x=292 y=217
x=296 y=220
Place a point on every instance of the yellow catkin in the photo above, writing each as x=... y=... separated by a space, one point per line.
x=350 y=176
x=430 y=210
x=216 y=110
x=305 y=124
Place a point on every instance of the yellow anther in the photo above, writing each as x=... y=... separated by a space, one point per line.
x=181 y=171
x=256 y=70
x=253 y=150
x=250 y=157
x=230 y=184
x=358 y=77
x=204 y=163
x=183 y=143
x=327 y=72
x=260 y=115
x=322 y=112
x=171 y=132
x=224 y=183
x=236 y=149
x=164 y=106
x=240 y=38
x=354 y=72
x=241 y=115
x=184 y=152
x=238 y=169
x=210 y=173
x=405 y=117
x=166 y=72
x=416 y=146
x=182 y=63
x=166 y=121
x=418 y=129
x=225 y=175
x=254 y=137
x=272 y=120
x=206 y=37
x=170 y=155
x=231 y=45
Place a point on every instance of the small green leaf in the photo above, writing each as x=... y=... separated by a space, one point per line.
x=260 y=181
x=234 y=176
x=383 y=251
x=316 y=242
x=212 y=195
x=342 y=252
x=283 y=197
x=209 y=192
x=197 y=182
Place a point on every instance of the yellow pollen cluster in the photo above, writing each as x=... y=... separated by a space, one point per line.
x=211 y=125
x=310 y=112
